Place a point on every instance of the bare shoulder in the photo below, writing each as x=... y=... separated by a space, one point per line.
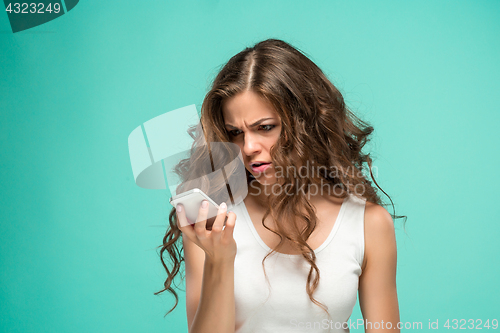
x=379 y=231
x=377 y=218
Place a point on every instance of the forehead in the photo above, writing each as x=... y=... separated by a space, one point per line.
x=247 y=107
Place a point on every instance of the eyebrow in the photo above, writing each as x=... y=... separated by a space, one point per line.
x=252 y=125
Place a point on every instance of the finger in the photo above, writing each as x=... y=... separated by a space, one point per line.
x=219 y=221
x=200 y=227
x=183 y=224
x=227 y=235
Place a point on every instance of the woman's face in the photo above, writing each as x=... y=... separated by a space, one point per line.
x=255 y=127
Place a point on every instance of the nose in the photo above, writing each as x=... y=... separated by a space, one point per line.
x=252 y=145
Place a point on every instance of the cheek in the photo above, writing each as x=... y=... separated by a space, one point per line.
x=272 y=141
x=240 y=145
x=279 y=134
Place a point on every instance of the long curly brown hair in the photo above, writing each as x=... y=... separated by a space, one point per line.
x=317 y=129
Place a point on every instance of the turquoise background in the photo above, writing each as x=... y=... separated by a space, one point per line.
x=78 y=237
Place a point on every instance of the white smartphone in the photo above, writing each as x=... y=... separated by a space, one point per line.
x=191 y=201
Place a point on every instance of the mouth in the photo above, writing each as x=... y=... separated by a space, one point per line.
x=259 y=166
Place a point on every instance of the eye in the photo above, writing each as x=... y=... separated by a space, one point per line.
x=267 y=128
x=234 y=132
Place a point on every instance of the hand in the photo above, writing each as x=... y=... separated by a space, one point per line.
x=218 y=243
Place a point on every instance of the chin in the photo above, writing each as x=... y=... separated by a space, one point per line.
x=266 y=180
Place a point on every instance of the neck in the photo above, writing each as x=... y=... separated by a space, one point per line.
x=261 y=194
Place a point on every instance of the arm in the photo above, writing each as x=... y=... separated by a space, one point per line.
x=209 y=261
x=209 y=292
x=377 y=284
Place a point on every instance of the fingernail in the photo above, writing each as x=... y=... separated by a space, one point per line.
x=179 y=208
x=223 y=205
x=204 y=204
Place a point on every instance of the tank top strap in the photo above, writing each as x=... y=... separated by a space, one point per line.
x=351 y=232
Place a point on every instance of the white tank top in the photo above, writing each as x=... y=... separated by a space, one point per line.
x=285 y=306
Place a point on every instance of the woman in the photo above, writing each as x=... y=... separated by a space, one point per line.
x=295 y=252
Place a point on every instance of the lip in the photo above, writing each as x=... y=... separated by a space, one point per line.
x=258 y=162
x=261 y=168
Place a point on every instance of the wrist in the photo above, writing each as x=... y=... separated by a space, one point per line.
x=223 y=264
